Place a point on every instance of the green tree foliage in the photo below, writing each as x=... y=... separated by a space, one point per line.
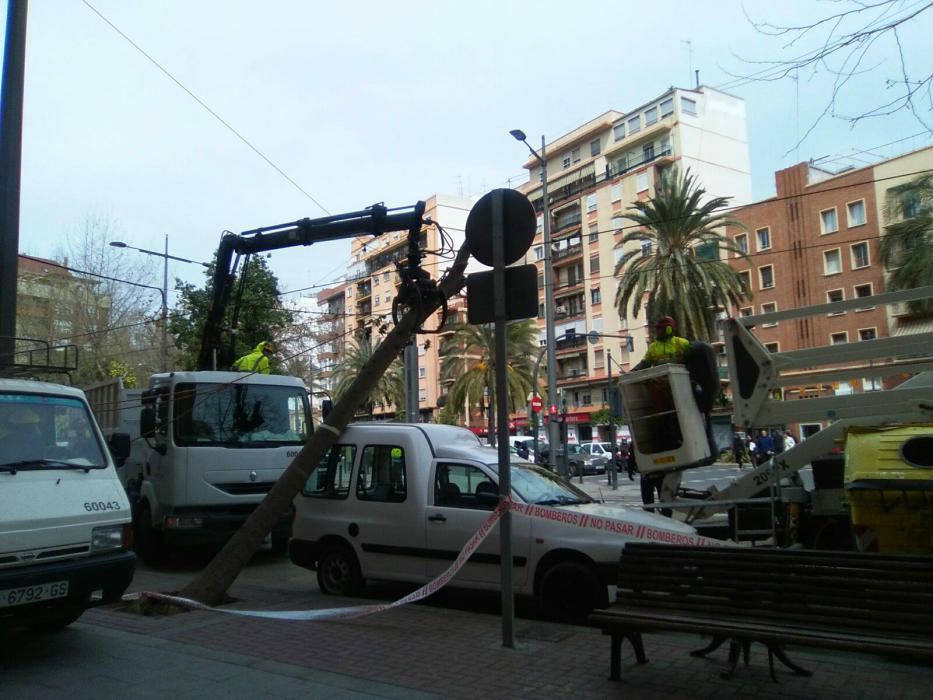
x=261 y=316
x=673 y=257
x=389 y=390
x=907 y=246
x=467 y=358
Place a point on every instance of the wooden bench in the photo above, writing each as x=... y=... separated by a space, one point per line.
x=840 y=600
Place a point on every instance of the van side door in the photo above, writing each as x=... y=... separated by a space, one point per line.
x=462 y=496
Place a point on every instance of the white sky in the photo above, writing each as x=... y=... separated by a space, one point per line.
x=362 y=102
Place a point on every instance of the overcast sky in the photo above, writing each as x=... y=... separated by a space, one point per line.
x=363 y=102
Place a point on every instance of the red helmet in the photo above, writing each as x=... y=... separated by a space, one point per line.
x=667 y=323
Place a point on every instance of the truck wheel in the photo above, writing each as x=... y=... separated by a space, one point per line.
x=570 y=590
x=61 y=618
x=148 y=540
x=338 y=572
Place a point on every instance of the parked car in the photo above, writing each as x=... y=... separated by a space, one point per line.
x=577 y=460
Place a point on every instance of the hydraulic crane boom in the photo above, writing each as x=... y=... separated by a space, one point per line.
x=375 y=220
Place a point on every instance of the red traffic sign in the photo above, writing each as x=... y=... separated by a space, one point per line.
x=536 y=404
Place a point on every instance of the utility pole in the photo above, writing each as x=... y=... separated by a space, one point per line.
x=11 y=151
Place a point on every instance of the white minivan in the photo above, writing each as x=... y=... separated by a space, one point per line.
x=398 y=502
x=65 y=524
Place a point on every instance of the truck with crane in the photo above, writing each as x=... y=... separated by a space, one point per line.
x=872 y=464
x=210 y=443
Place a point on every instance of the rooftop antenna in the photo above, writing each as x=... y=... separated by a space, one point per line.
x=689 y=58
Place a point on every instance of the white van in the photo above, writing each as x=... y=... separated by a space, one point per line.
x=398 y=502
x=65 y=524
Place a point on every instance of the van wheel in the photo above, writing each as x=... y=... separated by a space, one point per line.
x=148 y=542
x=338 y=572
x=570 y=590
x=62 y=617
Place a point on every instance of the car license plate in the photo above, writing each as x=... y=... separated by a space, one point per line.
x=33 y=594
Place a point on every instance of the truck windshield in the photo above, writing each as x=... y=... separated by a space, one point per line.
x=240 y=415
x=536 y=485
x=48 y=432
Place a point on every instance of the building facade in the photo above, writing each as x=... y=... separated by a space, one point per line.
x=818 y=241
x=594 y=174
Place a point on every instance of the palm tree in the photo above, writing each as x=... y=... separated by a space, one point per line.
x=907 y=243
x=675 y=227
x=468 y=358
x=390 y=389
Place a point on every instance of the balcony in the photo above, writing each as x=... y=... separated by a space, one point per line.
x=567 y=252
x=624 y=165
x=565 y=314
x=364 y=290
x=563 y=220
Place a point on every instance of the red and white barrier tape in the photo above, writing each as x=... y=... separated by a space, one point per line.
x=590 y=522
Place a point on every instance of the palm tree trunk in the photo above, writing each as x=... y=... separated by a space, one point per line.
x=210 y=585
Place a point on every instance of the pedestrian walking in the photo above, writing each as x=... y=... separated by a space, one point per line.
x=738 y=449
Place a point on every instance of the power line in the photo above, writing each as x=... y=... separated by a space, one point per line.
x=206 y=107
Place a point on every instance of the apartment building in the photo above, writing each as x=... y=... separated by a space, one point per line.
x=594 y=174
x=365 y=300
x=817 y=241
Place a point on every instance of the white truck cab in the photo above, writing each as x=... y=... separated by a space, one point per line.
x=65 y=524
x=398 y=502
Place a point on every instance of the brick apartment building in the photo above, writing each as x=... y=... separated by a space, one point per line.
x=817 y=241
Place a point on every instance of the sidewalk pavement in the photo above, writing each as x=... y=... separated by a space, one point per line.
x=418 y=651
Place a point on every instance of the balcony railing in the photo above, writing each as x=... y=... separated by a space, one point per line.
x=573 y=218
x=624 y=165
x=577 y=341
x=567 y=252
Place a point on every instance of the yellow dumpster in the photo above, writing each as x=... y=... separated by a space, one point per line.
x=889 y=484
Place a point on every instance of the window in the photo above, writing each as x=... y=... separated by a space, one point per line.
x=378 y=299
x=651 y=115
x=645 y=248
x=867 y=333
x=910 y=206
x=741 y=243
x=773 y=347
x=594 y=147
x=382 y=474
x=616 y=192
x=591 y=202
x=618 y=131
x=856 y=213
x=388 y=298
x=594 y=264
x=707 y=251
x=764 y=238
x=464 y=486
x=594 y=234
x=828 y=222
x=839 y=338
x=832 y=262
x=422 y=395
x=834 y=295
x=565 y=163
x=746 y=311
x=861 y=292
x=539 y=252
x=766 y=276
x=688 y=106
x=422 y=372
x=575 y=154
x=540 y=221
x=634 y=125
x=769 y=308
x=871 y=384
x=647 y=152
x=376 y=281
x=595 y=296
x=747 y=276
x=385 y=276
x=349 y=291
x=667 y=107
x=641 y=181
x=331 y=479
x=617 y=223
x=860 y=255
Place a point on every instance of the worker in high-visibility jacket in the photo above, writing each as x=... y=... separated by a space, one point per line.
x=666 y=347
x=257 y=360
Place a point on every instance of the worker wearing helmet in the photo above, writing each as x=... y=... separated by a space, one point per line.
x=666 y=347
x=257 y=360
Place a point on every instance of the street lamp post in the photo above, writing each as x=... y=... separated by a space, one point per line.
x=165 y=258
x=553 y=438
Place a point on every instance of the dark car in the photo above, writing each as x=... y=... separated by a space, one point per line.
x=577 y=460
